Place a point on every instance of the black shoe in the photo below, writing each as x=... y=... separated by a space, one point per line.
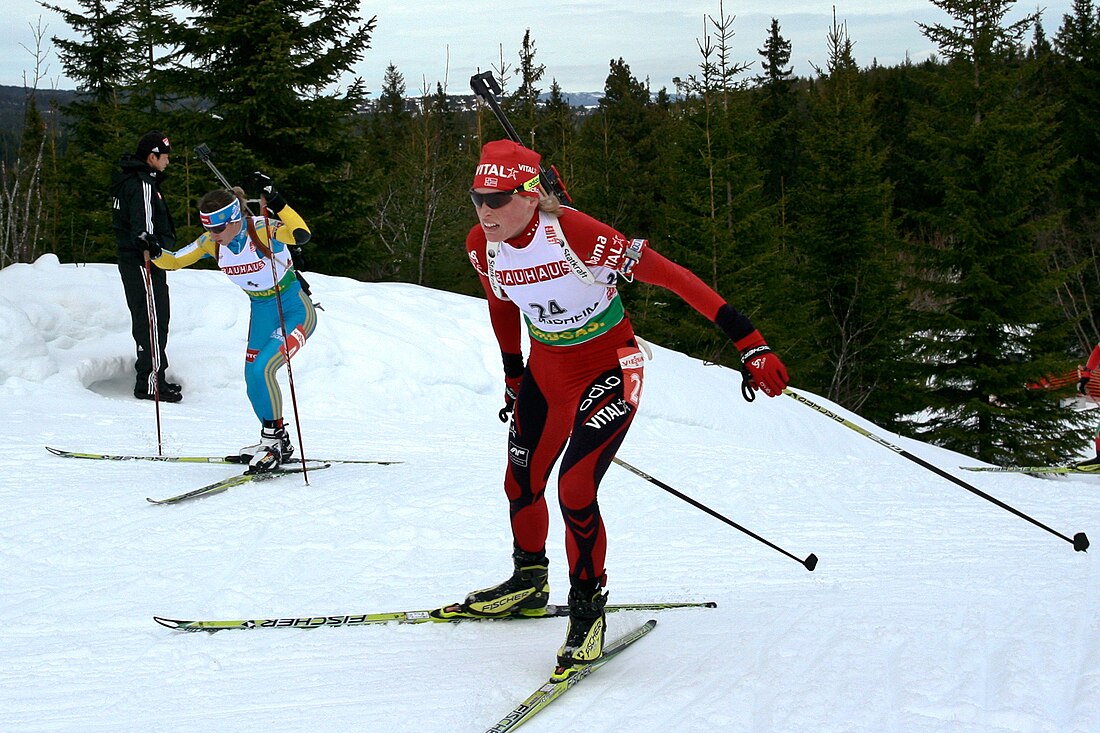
x=166 y=395
x=142 y=392
x=525 y=593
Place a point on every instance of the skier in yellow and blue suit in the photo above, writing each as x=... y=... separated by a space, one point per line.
x=254 y=253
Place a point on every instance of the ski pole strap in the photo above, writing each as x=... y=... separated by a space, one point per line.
x=746 y=385
x=509 y=405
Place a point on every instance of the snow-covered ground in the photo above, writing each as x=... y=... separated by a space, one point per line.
x=931 y=608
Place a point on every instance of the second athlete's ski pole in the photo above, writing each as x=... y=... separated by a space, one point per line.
x=287 y=350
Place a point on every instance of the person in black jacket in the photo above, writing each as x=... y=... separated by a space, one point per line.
x=143 y=227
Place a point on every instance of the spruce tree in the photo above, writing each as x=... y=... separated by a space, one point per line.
x=776 y=107
x=103 y=121
x=27 y=192
x=846 y=246
x=267 y=77
x=386 y=128
x=618 y=150
x=1078 y=46
x=420 y=212
x=707 y=192
x=557 y=132
x=1073 y=85
x=523 y=105
x=987 y=323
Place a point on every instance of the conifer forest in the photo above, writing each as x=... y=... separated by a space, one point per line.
x=918 y=242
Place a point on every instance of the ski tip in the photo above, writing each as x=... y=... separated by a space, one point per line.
x=710 y=604
x=810 y=562
x=1080 y=542
x=55 y=451
x=170 y=622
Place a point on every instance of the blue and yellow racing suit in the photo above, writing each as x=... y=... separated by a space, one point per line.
x=257 y=272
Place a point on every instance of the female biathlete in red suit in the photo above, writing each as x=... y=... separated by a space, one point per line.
x=555 y=270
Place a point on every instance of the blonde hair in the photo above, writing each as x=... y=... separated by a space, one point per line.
x=549 y=202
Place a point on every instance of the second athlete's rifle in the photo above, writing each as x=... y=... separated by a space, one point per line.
x=203 y=153
x=487 y=89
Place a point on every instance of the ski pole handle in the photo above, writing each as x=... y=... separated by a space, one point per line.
x=203 y=153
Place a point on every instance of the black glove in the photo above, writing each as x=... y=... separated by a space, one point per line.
x=1083 y=381
x=150 y=244
x=275 y=201
x=513 y=377
x=511 y=392
x=265 y=184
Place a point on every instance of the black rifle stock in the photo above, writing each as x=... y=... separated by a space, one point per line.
x=203 y=153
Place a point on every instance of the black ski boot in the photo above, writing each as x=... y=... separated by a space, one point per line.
x=524 y=594
x=1092 y=464
x=587 y=623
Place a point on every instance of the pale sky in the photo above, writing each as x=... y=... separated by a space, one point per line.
x=447 y=40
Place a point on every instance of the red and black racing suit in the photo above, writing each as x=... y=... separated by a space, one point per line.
x=583 y=377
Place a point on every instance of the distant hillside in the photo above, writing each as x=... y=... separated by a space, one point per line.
x=13 y=107
x=13 y=99
x=577 y=99
x=13 y=102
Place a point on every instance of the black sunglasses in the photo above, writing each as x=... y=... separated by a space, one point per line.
x=493 y=200
x=217 y=228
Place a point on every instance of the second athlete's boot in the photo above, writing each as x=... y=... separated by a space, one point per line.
x=273 y=449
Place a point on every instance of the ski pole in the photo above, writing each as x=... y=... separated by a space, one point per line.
x=286 y=342
x=1080 y=542
x=154 y=343
x=203 y=152
x=809 y=563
